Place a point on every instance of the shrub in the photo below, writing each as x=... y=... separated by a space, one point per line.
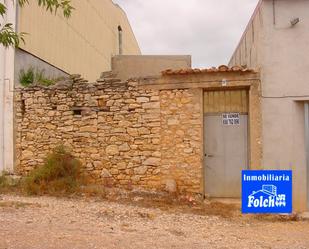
x=31 y=76
x=60 y=174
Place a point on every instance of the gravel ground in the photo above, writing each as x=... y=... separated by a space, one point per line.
x=48 y=222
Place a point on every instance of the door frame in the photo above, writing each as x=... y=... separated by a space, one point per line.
x=306 y=109
x=248 y=135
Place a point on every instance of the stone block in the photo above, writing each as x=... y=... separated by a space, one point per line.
x=124 y=147
x=173 y=121
x=143 y=131
x=132 y=132
x=170 y=186
x=105 y=173
x=152 y=161
x=140 y=170
x=27 y=154
x=124 y=123
x=112 y=150
x=142 y=99
x=151 y=105
x=114 y=171
x=121 y=165
x=88 y=129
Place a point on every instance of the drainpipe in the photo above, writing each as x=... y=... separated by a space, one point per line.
x=120 y=40
x=2 y=76
x=274 y=12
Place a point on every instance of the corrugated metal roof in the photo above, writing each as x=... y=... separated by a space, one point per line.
x=222 y=68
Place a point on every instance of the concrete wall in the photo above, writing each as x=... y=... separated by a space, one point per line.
x=249 y=51
x=90 y=36
x=25 y=60
x=284 y=75
x=2 y=83
x=131 y=66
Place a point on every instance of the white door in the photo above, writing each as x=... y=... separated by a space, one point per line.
x=225 y=142
x=226 y=155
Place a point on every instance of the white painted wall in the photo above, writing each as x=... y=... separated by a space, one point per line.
x=2 y=65
x=282 y=57
x=6 y=96
x=285 y=78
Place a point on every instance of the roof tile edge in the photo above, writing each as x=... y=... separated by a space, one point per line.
x=222 y=68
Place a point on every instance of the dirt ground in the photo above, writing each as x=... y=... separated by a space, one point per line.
x=49 y=222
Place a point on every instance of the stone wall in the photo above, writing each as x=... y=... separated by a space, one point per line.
x=181 y=143
x=124 y=135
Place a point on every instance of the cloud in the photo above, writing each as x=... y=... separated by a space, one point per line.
x=209 y=30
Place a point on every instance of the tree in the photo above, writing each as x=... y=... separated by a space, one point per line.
x=8 y=37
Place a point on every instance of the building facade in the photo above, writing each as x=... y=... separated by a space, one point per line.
x=276 y=42
x=96 y=31
x=84 y=44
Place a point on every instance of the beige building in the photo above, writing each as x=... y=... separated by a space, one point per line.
x=276 y=42
x=84 y=43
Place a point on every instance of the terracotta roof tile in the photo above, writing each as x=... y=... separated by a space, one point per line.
x=222 y=68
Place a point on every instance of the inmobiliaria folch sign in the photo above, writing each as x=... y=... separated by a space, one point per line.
x=267 y=191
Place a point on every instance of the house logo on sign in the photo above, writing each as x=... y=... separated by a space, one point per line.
x=266 y=197
x=267 y=191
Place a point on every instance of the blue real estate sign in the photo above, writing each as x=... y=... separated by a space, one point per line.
x=267 y=191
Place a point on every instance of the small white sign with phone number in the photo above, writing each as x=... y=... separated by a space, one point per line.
x=230 y=119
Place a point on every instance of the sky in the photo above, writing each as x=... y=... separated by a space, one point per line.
x=209 y=30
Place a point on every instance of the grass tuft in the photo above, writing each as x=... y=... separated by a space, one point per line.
x=26 y=77
x=34 y=76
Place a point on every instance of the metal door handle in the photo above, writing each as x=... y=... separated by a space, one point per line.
x=209 y=155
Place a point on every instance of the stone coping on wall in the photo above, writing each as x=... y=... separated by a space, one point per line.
x=223 y=80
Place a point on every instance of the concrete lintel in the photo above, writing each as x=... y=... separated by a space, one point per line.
x=209 y=81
